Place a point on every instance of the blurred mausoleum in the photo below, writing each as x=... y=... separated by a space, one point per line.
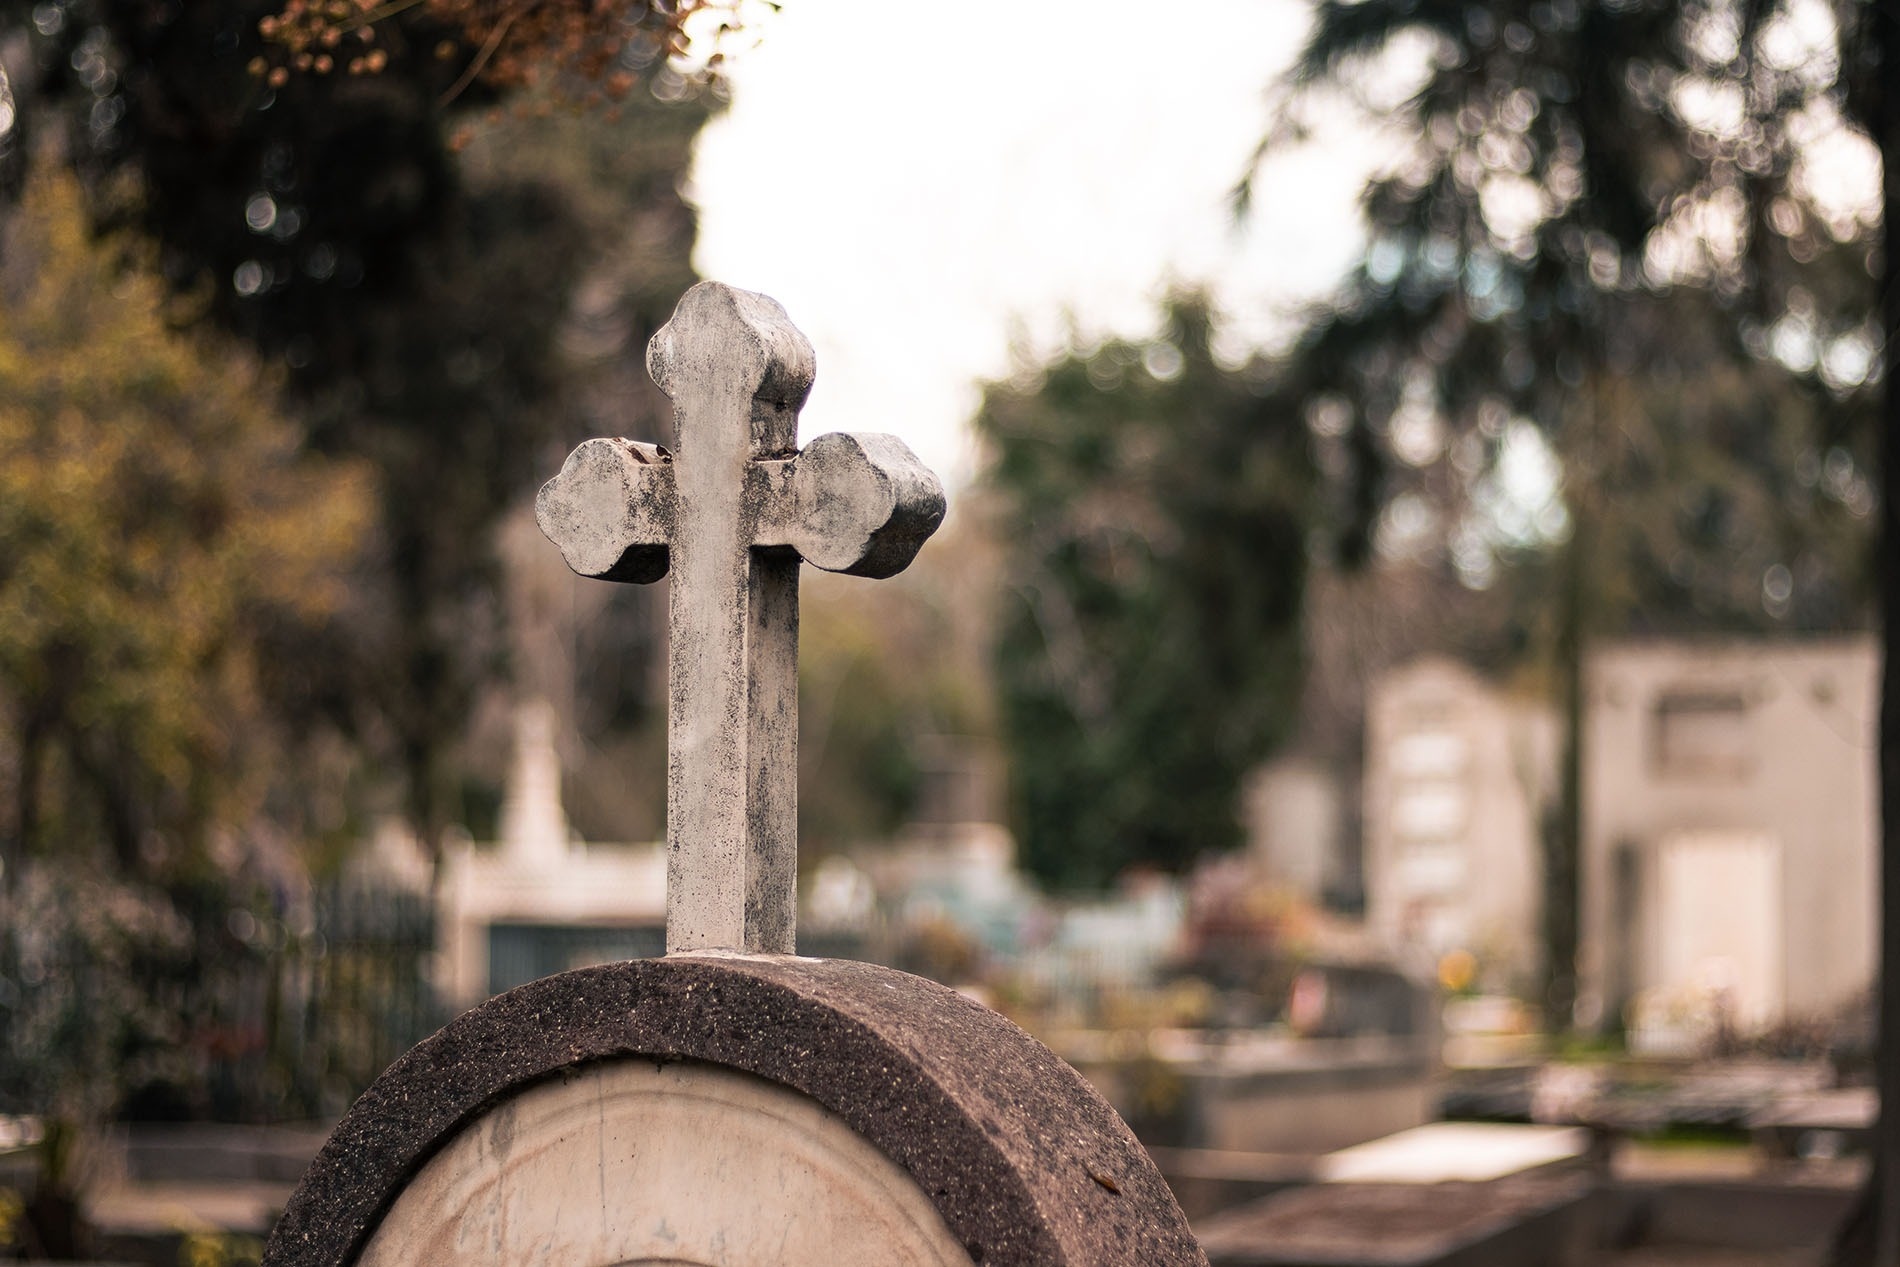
x=1729 y=856
x=1730 y=869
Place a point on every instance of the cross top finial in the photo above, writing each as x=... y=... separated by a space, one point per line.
x=719 y=337
x=730 y=512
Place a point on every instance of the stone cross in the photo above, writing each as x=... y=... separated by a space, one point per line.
x=731 y=511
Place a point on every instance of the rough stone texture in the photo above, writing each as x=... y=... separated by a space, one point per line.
x=1025 y=1162
x=731 y=511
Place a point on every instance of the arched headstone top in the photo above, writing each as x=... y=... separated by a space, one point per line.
x=1023 y=1159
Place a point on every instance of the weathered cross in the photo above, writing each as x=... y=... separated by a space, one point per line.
x=730 y=512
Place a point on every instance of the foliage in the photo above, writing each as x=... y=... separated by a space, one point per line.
x=159 y=525
x=422 y=315
x=156 y=518
x=504 y=43
x=12 y=1220
x=1616 y=224
x=83 y=1025
x=880 y=679
x=1154 y=508
x=219 y=1249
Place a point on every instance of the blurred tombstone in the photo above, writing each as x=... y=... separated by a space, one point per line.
x=1459 y=775
x=541 y=900
x=731 y=1102
x=1293 y=813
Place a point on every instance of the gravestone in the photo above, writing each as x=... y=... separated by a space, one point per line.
x=732 y=1104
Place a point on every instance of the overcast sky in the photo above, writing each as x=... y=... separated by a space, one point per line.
x=918 y=189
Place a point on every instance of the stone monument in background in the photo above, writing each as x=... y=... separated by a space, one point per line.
x=732 y=1104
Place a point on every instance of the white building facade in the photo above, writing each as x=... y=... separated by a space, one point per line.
x=1459 y=775
x=1730 y=869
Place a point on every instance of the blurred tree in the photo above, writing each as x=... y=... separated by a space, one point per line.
x=1154 y=508
x=158 y=522
x=881 y=677
x=418 y=312
x=1643 y=233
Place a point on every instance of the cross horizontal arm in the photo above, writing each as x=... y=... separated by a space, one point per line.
x=612 y=510
x=859 y=504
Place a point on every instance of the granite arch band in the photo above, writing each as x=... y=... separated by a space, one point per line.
x=1024 y=1160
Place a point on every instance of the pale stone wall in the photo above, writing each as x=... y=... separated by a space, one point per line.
x=589 y=885
x=1730 y=824
x=1457 y=776
x=639 y=1162
x=1292 y=810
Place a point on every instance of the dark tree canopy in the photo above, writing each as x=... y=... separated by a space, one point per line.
x=1154 y=509
x=1614 y=223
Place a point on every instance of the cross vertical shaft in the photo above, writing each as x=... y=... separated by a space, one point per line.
x=732 y=772
x=732 y=720
x=731 y=796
